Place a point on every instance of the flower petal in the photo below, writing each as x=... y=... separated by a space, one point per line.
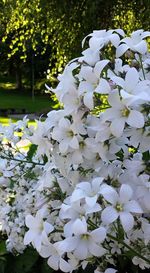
x=99 y=67
x=133 y=206
x=109 y=194
x=53 y=262
x=109 y=215
x=121 y=49
x=117 y=127
x=103 y=87
x=88 y=100
x=127 y=220
x=130 y=84
x=96 y=250
x=99 y=234
x=64 y=266
x=125 y=193
x=135 y=119
x=81 y=251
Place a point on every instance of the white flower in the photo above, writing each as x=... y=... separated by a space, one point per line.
x=88 y=190
x=54 y=255
x=135 y=43
x=38 y=230
x=133 y=92
x=84 y=244
x=120 y=114
x=121 y=206
x=140 y=262
x=66 y=135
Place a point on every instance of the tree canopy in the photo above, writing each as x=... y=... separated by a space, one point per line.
x=45 y=34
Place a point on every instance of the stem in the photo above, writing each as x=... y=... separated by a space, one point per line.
x=121 y=242
x=22 y=161
x=130 y=248
x=142 y=66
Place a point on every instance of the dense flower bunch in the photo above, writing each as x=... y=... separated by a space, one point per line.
x=80 y=195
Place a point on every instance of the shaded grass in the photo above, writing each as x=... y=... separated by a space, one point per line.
x=10 y=98
x=13 y=100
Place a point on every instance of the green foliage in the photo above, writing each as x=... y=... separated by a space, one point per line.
x=28 y=262
x=32 y=151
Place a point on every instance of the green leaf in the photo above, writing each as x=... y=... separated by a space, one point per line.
x=32 y=151
x=2 y=266
x=25 y=261
x=45 y=159
x=3 y=249
x=45 y=268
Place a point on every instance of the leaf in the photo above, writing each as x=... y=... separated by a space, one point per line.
x=32 y=151
x=25 y=262
x=3 y=249
x=2 y=266
x=45 y=268
x=45 y=159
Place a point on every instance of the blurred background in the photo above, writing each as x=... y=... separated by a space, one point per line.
x=38 y=37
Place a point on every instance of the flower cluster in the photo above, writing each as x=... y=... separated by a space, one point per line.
x=79 y=194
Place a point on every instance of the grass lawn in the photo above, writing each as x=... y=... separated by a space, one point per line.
x=6 y=121
x=12 y=99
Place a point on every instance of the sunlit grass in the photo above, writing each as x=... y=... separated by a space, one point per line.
x=6 y=121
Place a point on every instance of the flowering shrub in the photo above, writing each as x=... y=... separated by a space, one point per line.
x=80 y=193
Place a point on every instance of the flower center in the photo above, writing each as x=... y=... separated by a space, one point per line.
x=125 y=112
x=85 y=236
x=70 y=133
x=119 y=207
x=82 y=144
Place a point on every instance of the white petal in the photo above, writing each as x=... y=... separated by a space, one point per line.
x=79 y=227
x=81 y=251
x=28 y=237
x=48 y=227
x=96 y=250
x=53 y=262
x=109 y=215
x=118 y=81
x=74 y=143
x=99 y=234
x=64 y=123
x=115 y=39
x=91 y=201
x=114 y=99
x=109 y=194
x=77 y=195
x=45 y=251
x=99 y=67
x=37 y=242
x=63 y=146
x=120 y=32
x=103 y=87
x=64 y=266
x=68 y=245
x=127 y=220
x=135 y=119
x=133 y=206
x=110 y=270
x=125 y=193
x=130 y=84
x=88 y=100
x=141 y=47
x=121 y=49
x=117 y=127
x=30 y=221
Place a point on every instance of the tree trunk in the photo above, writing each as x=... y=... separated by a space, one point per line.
x=18 y=78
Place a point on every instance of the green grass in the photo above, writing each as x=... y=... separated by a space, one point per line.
x=12 y=99
x=6 y=121
x=24 y=101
